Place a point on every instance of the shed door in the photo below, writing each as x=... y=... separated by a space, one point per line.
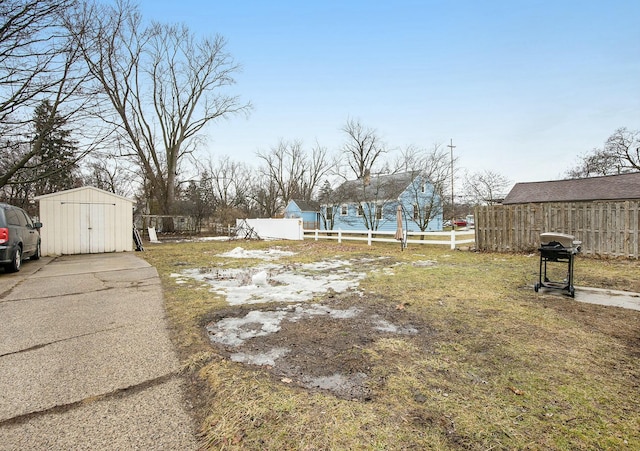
x=97 y=225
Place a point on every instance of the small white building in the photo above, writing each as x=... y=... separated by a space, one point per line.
x=85 y=220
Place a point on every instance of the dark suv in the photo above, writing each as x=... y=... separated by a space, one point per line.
x=19 y=237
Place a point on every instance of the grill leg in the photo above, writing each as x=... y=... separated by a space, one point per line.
x=570 y=278
x=546 y=279
x=540 y=273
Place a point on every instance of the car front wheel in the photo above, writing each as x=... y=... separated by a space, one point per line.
x=16 y=261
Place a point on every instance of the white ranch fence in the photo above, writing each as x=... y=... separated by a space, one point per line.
x=452 y=239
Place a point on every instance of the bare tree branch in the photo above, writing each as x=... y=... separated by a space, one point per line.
x=163 y=84
x=363 y=147
x=295 y=173
x=620 y=154
x=39 y=62
x=486 y=187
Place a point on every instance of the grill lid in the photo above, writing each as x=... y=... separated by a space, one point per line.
x=565 y=240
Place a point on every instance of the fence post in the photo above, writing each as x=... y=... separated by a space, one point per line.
x=339 y=236
x=369 y=237
x=316 y=234
x=453 y=239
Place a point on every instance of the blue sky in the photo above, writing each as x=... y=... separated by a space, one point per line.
x=522 y=87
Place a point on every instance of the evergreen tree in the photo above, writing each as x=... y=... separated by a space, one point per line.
x=55 y=167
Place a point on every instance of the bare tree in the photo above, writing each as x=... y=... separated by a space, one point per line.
x=38 y=63
x=162 y=84
x=593 y=164
x=231 y=181
x=230 y=185
x=362 y=149
x=319 y=164
x=410 y=158
x=110 y=173
x=620 y=154
x=28 y=56
x=432 y=175
x=284 y=165
x=295 y=173
x=486 y=187
x=624 y=145
x=329 y=205
x=265 y=199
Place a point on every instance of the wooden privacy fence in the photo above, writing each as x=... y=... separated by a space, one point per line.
x=605 y=228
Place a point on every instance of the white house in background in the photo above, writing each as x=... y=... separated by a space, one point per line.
x=85 y=220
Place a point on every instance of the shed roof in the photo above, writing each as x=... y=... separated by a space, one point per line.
x=83 y=188
x=610 y=187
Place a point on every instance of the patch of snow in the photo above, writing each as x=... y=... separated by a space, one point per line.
x=348 y=386
x=300 y=312
x=371 y=259
x=235 y=331
x=276 y=283
x=385 y=326
x=180 y=278
x=424 y=263
x=265 y=358
x=325 y=265
x=260 y=279
x=267 y=254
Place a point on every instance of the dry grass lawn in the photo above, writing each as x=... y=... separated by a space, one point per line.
x=492 y=366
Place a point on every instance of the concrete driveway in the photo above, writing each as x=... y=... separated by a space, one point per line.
x=600 y=296
x=85 y=358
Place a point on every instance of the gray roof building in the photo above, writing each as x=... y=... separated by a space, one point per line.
x=611 y=187
x=307 y=205
x=381 y=187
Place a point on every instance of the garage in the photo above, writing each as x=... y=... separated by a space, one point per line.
x=85 y=220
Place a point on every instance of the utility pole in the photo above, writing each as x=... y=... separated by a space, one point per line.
x=453 y=213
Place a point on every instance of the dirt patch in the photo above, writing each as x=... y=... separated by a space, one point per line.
x=318 y=346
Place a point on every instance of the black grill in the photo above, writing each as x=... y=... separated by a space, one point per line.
x=557 y=248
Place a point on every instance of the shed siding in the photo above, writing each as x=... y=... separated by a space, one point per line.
x=85 y=220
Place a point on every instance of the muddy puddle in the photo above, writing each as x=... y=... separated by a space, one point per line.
x=318 y=346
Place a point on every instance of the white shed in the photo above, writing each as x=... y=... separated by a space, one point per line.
x=85 y=220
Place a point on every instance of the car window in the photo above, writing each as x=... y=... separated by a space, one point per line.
x=12 y=217
x=23 y=217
